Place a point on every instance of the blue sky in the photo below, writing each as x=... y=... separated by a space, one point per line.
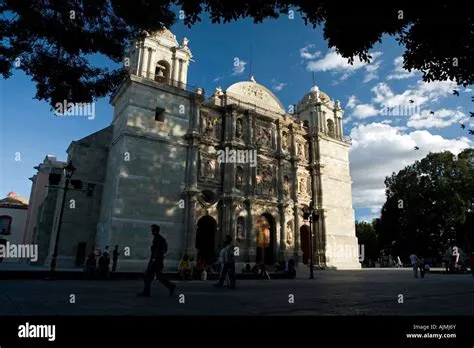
x=285 y=52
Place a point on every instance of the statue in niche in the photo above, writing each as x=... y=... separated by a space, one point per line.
x=203 y=124
x=239 y=128
x=289 y=233
x=240 y=229
x=239 y=177
x=210 y=169
x=284 y=140
x=301 y=151
x=209 y=126
x=303 y=188
x=268 y=181
x=286 y=185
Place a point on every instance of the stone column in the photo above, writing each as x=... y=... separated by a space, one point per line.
x=296 y=235
x=174 y=71
x=190 y=225
x=251 y=240
x=148 y=64
x=340 y=128
x=324 y=121
x=141 y=59
x=282 y=249
x=180 y=73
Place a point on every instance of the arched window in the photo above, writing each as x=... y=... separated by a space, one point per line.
x=331 y=128
x=163 y=72
x=5 y=224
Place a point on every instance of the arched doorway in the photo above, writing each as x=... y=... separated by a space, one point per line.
x=266 y=231
x=206 y=239
x=304 y=241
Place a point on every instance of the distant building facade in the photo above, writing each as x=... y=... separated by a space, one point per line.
x=13 y=212
x=160 y=161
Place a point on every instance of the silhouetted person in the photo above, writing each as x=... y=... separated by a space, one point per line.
x=290 y=268
x=155 y=267
x=421 y=266
x=414 y=263
x=91 y=265
x=115 y=255
x=104 y=262
x=229 y=264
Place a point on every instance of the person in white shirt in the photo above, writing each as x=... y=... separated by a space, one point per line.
x=414 y=262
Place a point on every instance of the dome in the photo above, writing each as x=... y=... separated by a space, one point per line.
x=252 y=93
x=316 y=94
x=165 y=33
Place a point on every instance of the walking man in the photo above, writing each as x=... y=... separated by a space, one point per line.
x=156 y=264
x=229 y=264
x=414 y=262
x=115 y=254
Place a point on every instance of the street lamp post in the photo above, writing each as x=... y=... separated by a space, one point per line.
x=310 y=215
x=68 y=173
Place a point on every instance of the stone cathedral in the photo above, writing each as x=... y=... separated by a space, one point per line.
x=158 y=163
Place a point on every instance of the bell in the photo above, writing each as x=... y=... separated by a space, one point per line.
x=160 y=74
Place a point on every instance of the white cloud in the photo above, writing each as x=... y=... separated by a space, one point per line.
x=380 y=149
x=217 y=78
x=277 y=86
x=399 y=72
x=441 y=119
x=372 y=71
x=305 y=54
x=364 y=110
x=467 y=90
x=239 y=68
x=422 y=93
x=332 y=61
x=351 y=102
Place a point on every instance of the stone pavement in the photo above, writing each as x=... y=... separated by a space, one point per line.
x=362 y=292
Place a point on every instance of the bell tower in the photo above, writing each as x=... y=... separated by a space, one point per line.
x=161 y=58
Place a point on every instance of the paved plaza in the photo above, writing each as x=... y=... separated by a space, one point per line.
x=363 y=292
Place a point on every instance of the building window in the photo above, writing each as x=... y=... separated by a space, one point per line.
x=160 y=115
x=5 y=224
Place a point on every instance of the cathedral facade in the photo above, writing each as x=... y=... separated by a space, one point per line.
x=235 y=163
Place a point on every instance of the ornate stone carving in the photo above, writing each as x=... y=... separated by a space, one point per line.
x=286 y=185
x=207 y=125
x=239 y=131
x=289 y=233
x=301 y=152
x=265 y=180
x=303 y=188
x=208 y=168
x=263 y=137
x=284 y=140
